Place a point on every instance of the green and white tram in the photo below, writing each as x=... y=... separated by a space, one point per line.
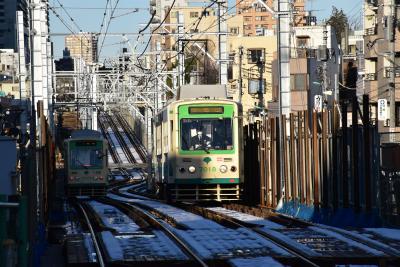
x=198 y=150
x=86 y=164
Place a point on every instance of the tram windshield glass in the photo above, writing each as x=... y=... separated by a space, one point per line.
x=206 y=134
x=86 y=157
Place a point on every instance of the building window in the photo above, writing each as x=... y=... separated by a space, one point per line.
x=298 y=82
x=194 y=14
x=234 y=30
x=247 y=27
x=247 y=18
x=206 y=13
x=264 y=18
x=255 y=55
x=256 y=86
x=302 y=42
x=258 y=18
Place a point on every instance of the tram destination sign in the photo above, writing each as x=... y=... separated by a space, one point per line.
x=206 y=110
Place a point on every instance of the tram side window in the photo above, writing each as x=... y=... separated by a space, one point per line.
x=206 y=134
x=86 y=158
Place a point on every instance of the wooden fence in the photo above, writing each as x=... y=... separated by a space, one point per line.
x=325 y=164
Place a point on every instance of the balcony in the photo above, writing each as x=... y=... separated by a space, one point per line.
x=370 y=77
x=371 y=31
x=389 y=71
x=304 y=53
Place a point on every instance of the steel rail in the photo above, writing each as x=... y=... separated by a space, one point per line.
x=92 y=233
x=121 y=139
x=297 y=253
x=132 y=137
x=162 y=225
x=114 y=155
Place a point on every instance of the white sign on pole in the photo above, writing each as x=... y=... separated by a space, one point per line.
x=318 y=103
x=382 y=109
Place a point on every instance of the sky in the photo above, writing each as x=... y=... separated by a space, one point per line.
x=88 y=15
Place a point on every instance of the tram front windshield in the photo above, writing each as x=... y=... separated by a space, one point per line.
x=206 y=134
x=86 y=157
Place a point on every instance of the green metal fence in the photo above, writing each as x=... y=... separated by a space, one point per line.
x=13 y=231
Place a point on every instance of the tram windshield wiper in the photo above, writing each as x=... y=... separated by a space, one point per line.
x=86 y=166
x=206 y=150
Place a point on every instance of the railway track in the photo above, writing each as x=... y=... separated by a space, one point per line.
x=99 y=254
x=140 y=149
x=124 y=146
x=317 y=245
x=157 y=223
x=111 y=146
x=311 y=244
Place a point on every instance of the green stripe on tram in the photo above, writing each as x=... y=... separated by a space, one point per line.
x=207 y=181
x=183 y=113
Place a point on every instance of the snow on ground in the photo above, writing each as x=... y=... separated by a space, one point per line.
x=155 y=245
x=255 y=262
x=366 y=236
x=386 y=232
x=113 y=218
x=349 y=241
x=136 y=175
x=130 y=146
x=88 y=241
x=210 y=239
x=117 y=147
x=247 y=218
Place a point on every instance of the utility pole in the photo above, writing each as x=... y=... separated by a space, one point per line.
x=222 y=55
x=260 y=65
x=284 y=31
x=325 y=63
x=181 y=53
x=392 y=85
x=21 y=55
x=240 y=74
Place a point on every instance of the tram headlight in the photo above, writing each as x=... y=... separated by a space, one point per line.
x=181 y=169
x=223 y=168
x=233 y=169
x=192 y=169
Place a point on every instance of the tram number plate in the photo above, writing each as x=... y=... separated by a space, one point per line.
x=208 y=169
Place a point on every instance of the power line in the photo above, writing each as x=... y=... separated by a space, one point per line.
x=212 y=25
x=162 y=22
x=108 y=25
x=104 y=16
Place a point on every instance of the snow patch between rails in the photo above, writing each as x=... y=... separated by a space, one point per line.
x=348 y=241
x=114 y=249
x=386 y=232
x=210 y=239
x=255 y=262
x=114 y=218
x=247 y=218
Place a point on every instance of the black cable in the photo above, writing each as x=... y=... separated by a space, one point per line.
x=148 y=24
x=162 y=22
x=104 y=16
x=108 y=25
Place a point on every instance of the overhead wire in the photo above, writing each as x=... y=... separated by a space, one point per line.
x=154 y=30
x=108 y=25
x=213 y=24
x=104 y=16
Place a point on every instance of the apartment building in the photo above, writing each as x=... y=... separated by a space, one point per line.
x=8 y=32
x=258 y=21
x=82 y=45
x=308 y=57
x=378 y=68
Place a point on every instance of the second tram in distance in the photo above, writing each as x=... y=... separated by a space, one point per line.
x=198 y=150
x=86 y=163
